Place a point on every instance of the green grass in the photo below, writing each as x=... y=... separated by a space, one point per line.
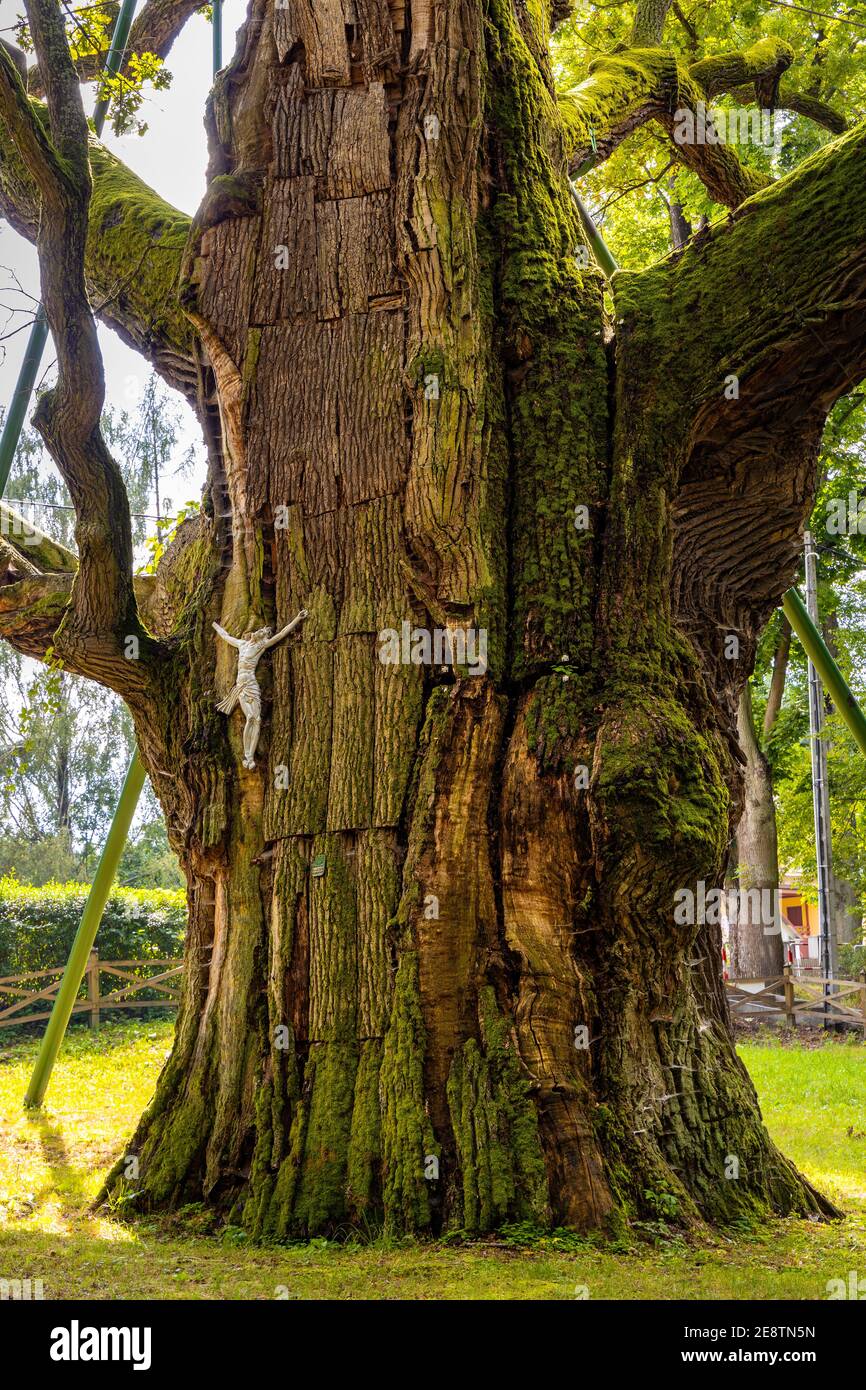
x=814 y=1101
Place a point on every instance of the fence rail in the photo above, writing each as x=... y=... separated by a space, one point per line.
x=785 y=996
x=795 y=998
x=21 y=994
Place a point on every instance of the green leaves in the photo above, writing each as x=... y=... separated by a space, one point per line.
x=125 y=91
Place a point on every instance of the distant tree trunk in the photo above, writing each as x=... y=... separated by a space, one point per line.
x=847 y=911
x=756 y=941
x=62 y=786
x=681 y=228
x=780 y=672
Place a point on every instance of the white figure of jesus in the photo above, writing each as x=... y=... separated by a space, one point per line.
x=245 y=691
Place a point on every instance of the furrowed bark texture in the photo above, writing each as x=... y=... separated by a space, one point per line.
x=434 y=976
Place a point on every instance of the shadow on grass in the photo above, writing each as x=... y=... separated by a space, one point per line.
x=65 y=1181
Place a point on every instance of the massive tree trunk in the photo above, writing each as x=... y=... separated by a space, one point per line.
x=434 y=972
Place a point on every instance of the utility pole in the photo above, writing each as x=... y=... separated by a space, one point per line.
x=820 y=788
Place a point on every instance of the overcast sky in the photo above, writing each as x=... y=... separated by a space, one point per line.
x=172 y=158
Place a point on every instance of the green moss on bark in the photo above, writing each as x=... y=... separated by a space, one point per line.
x=364 y=1166
x=321 y=1199
x=502 y=1172
x=406 y=1133
x=549 y=313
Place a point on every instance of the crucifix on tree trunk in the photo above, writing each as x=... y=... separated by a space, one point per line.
x=245 y=691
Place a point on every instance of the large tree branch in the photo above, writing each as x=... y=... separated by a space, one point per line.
x=102 y=610
x=812 y=107
x=620 y=93
x=31 y=610
x=775 y=293
x=742 y=344
x=33 y=546
x=134 y=249
x=763 y=61
x=154 y=31
x=761 y=67
x=625 y=90
x=33 y=613
x=35 y=148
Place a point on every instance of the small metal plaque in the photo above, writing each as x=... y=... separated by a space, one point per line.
x=318 y=867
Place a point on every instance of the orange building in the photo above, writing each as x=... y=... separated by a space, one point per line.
x=801 y=917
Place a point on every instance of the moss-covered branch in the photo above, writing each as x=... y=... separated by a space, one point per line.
x=31 y=609
x=30 y=137
x=134 y=248
x=621 y=92
x=37 y=549
x=814 y=109
x=760 y=325
x=782 y=280
x=762 y=61
x=625 y=90
x=762 y=67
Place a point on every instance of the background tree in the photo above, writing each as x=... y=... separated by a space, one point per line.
x=65 y=743
x=433 y=970
x=839 y=532
x=783 y=747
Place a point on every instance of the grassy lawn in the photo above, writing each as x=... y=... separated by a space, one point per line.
x=814 y=1101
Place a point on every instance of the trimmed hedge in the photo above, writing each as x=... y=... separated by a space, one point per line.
x=38 y=925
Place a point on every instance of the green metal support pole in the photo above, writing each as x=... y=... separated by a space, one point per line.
x=818 y=653
x=86 y=934
x=114 y=58
x=217 y=22
x=600 y=248
x=14 y=422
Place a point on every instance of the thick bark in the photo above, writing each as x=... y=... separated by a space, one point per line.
x=757 y=949
x=434 y=971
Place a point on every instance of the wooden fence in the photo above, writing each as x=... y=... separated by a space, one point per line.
x=32 y=994
x=797 y=999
